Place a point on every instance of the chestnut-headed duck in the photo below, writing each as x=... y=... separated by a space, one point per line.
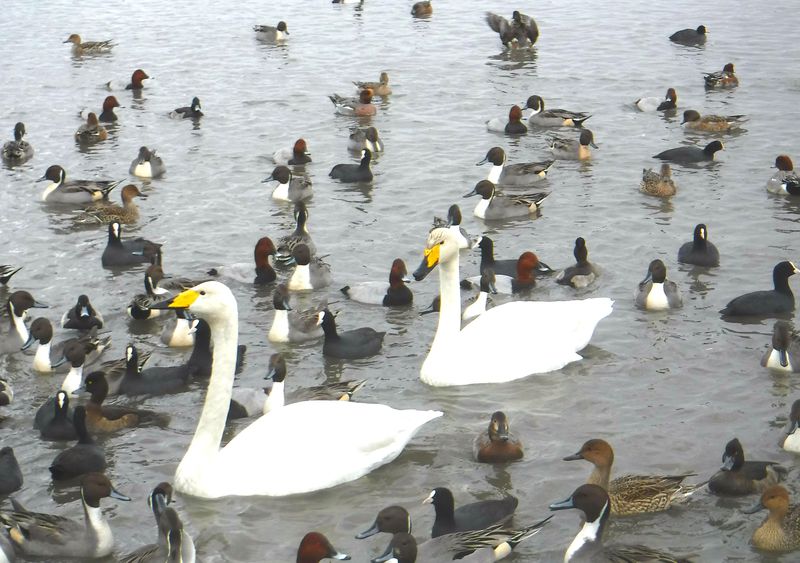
x=137 y=82
x=667 y=103
x=422 y=9
x=359 y=107
x=785 y=180
x=295 y=155
x=497 y=444
x=395 y=293
x=511 y=126
x=263 y=256
x=721 y=79
x=315 y=547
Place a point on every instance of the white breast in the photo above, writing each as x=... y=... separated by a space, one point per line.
x=279 y=332
x=301 y=279
x=657 y=299
x=143 y=170
x=792 y=442
x=494 y=174
x=41 y=361
x=281 y=193
x=480 y=209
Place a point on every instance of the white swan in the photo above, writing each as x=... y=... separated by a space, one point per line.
x=506 y=342
x=302 y=447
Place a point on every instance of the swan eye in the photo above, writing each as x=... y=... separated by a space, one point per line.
x=202 y=293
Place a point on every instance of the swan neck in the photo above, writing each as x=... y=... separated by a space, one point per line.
x=450 y=305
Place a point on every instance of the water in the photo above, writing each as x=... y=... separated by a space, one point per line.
x=668 y=390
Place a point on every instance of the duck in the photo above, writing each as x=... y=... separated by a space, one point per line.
x=791 y=442
x=350 y=173
x=59 y=426
x=693 y=121
x=632 y=494
x=192 y=111
x=59 y=190
x=6 y=271
x=780 y=530
x=497 y=444
x=776 y=301
x=351 y=344
x=37 y=534
x=300 y=234
x=10 y=473
x=521 y=174
x=593 y=502
x=295 y=155
x=520 y=32
x=699 y=251
x=290 y=325
x=136 y=84
x=553 y=117
x=89 y=47
x=108 y=115
x=379 y=88
x=508 y=267
x=270 y=34
x=82 y=458
x=655 y=292
x=116 y=370
x=784 y=352
x=6 y=393
x=658 y=184
x=785 y=179
x=127 y=214
x=140 y=306
x=314 y=547
x=478 y=306
x=496 y=206
x=522 y=281
x=583 y=273
x=175 y=544
x=127 y=252
x=15 y=332
x=147 y=164
x=19 y=150
x=368 y=138
x=457 y=356
x=667 y=103
x=722 y=79
x=157 y=501
x=162 y=380
x=104 y=418
x=690 y=36
x=473 y=516
x=263 y=255
x=453 y=223
x=289 y=188
x=91 y=131
x=512 y=126
x=357 y=437
x=393 y=294
x=50 y=356
x=422 y=9
x=361 y=106
x=573 y=149
x=83 y=316
x=738 y=477
x=309 y=273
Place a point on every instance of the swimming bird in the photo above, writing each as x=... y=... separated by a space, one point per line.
x=593 y=502
x=554 y=331
x=19 y=150
x=6 y=393
x=295 y=155
x=350 y=344
x=553 y=117
x=768 y=303
x=361 y=139
x=404 y=549
x=127 y=214
x=655 y=292
x=290 y=188
x=361 y=106
x=780 y=530
x=6 y=271
x=791 y=441
x=473 y=516
x=520 y=32
x=50 y=536
x=422 y=9
x=263 y=255
x=175 y=545
x=658 y=184
x=91 y=131
x=82 y=458
x=699 y=251
x=309 y=273
x=583 y=272
x=721 y=79
x=667 y=103
x=82 y=316
x=289 y=325
x=13 y=330
x=49 y=355
x=147 y=164
x=314 y=547
x=162 y=380
x=140 y=306
x=573 y=149
x=89 y=47
x=496 y=206
x=497 y=444
x=507 y=267
x=380 y=88
x=512 y=126
x=784 y=351
x=738 y=477
x=693 y=121
x=355 y=439
x=59 y=190
x=127 y=252
x=478 y=306
x=392 y=294
x=58 y=426
x=136 y=84
x=107 y=115
x=785 y=180
x=453 y=223
x=520 y=174
x=350 y=173
x=106 y=418
x=632 y=494
x=270 y=34
x=10 y=473
x=523 y=280
x=192 y=111
x=695 y=37
x=690 y=155
x=300 y=234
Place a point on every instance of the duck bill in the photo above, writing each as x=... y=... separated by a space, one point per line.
x=267 y=179
x=183 y=300
x=39 y=305
x=753 y=509
x=270 y=374
x=593 y=145
x=563 y=505
x=782 y=354
x=647 y=278
x=387 y=555
x=484 y=161
x=29 y=342
x=470 y=194
x=118 y=495
x=573 y=457
x=792 y=427
x=61 y=361
x=370 y=532
x=727 y=463
x=492 y=288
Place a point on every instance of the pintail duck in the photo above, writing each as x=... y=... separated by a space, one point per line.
x=553 y=117
x=6 y=271
x=13 y=330
x=495 y=206
x=351 y=173
x=768 y=303
x=59 y=190
x=453 y=223
x=583 y=272
x=403 y=549
x=655 y=292
x=263 y=255
x=392 y=294
x=91 y=131
x=37 y=534
x=140 y=306
x=315 y=547
x=147 y=164
x=10 y=473
x=780 y=530
x=784 y=352
x=89 y=47
x=380 y=88
x=270 y=34
x=474 y=516
x=290 y=188
x=475 y=309
x=512 y=126
x=573 y=149
x=699 y=251
x=722 y=79
x=692 y=120
x=690 y=36
x=520 y=32
x=287 y=243
x=520 y=174
x=82 y=458
x=497 y=444
x=310 y=272
x=667 y=103
x=791 y=442
x=632 y=494
x=290 y=325
x=350 y=344
x=50 y=356
x=738 y=477
x=127 y=214
x=175 y=545
x=18 y=150
x=192 y=111
x=128 y=252
x=82 y=316
x=359 y=107
x=361 y=139
x=422 y=9
x=594 y=502
x=658 y=184
x=295 y=155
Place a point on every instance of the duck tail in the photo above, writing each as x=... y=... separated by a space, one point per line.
x=7 y=273
x=579 y=122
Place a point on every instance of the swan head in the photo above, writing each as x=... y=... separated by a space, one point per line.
x=210 y=300
x=441 y=247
